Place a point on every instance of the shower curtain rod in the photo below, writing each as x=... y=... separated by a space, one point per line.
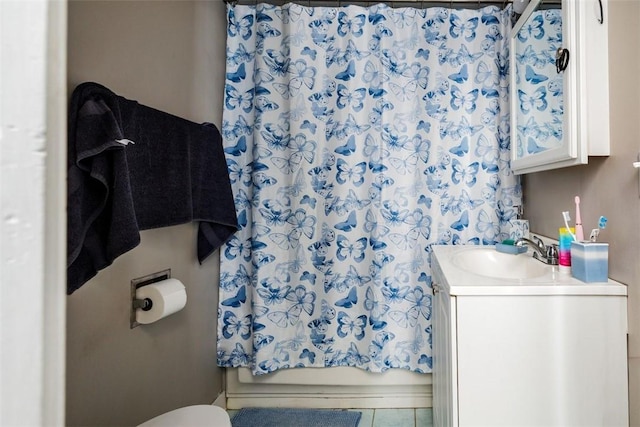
x=392 y=3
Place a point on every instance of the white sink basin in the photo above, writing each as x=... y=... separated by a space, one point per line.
x=490 y=263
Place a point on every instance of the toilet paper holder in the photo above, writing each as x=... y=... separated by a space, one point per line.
x=144 y=304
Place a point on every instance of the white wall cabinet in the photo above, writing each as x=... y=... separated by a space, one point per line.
x=528 y=358
x=558 y=119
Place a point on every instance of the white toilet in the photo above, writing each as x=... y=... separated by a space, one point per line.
x=191 y=416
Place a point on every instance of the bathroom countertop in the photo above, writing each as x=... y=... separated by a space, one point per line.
x=458 y=281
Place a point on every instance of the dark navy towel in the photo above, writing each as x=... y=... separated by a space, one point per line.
x=131 y=168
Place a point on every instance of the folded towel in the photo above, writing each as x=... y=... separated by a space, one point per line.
x=131 y=168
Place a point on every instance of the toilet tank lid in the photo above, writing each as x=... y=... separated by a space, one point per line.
x=196 y=415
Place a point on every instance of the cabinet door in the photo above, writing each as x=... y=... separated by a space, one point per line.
x=558 y=117
x=543 y=99
x=543 y=360
x=445 y=391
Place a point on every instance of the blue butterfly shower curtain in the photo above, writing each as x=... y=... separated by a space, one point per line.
x=355 y=139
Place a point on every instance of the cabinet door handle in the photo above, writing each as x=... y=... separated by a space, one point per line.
x=435 y=288
x=562 y=59
x=601 y=19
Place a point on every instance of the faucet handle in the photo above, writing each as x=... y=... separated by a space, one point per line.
x=538 y=241
x=552 y=254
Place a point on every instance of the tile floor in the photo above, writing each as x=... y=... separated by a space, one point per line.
x=396 y=418
x=390 y=417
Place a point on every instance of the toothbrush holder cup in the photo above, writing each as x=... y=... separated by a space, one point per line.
x=590 y=261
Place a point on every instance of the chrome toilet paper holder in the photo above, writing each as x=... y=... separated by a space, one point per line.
x=144 y=304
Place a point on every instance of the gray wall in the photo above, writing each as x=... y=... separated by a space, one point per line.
x=607 y=186
x=168 y=55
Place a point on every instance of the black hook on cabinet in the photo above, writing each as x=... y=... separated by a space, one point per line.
x=562 y=59
x=601 y=19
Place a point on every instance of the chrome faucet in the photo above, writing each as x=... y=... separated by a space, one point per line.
x=546 y=254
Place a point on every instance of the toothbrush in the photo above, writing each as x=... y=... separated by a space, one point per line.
x=602 y=223
x=579 y=230
x=567 y=218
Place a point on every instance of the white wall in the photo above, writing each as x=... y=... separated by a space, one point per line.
x=32 y=177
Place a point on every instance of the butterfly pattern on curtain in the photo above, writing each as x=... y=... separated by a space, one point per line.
x=540 y=92
x=356 y=138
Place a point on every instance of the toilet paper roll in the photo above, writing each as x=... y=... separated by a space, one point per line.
x=167 y=297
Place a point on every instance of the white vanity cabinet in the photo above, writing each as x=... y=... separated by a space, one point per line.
x=445 y=385
x=513 y=353
x=559 y=118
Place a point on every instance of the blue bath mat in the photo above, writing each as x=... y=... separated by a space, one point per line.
x=295 y=417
